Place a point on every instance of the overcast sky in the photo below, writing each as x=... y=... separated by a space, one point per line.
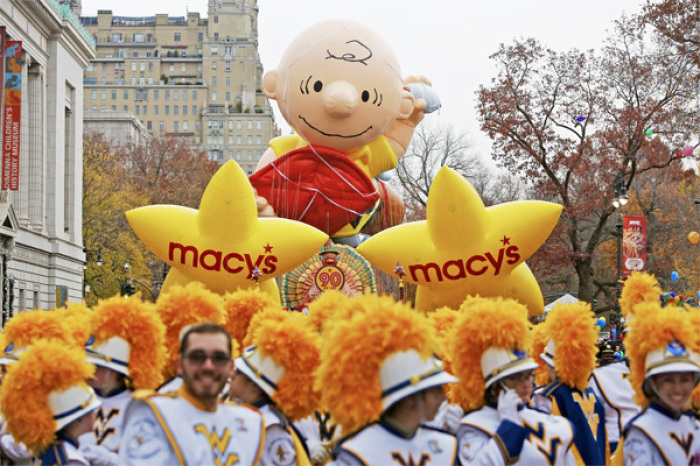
x=449 y=41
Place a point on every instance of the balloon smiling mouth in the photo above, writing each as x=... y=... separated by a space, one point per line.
x=344 y=136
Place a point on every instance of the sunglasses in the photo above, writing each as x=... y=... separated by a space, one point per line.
x=198 y=358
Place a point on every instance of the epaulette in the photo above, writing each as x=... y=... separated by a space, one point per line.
x=547 y=390
x=348 y=436
x=240 y=405
x=631 y=421
x=436 y=429
x=146 y=394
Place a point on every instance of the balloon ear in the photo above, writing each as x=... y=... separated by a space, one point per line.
x=270 y=84
x=406 y=107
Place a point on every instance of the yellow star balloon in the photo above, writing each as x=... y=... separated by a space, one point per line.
x=223 y=242
x=464 y=248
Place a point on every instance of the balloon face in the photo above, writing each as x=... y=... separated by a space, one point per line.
x=338 y=85
x=464 y=248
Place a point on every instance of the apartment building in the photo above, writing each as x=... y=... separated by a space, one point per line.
x=188 y=77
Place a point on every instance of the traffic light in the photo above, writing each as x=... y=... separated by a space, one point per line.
x=127 y=289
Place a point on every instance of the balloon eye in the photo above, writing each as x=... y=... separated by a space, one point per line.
x=365 y=96
x=318 y=85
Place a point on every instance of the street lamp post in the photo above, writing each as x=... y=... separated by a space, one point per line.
x=98 y=261
x=620 y=200
x=127 y=287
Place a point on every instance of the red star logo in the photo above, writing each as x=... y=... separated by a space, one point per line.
x=505 y=240
x=268 y=248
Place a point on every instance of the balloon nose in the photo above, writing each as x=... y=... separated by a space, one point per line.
x=341 y=99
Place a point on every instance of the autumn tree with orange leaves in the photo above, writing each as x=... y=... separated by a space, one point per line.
x=573 y=123
x=120 y=177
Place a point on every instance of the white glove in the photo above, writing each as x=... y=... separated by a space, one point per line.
x=99 y=456
x=508 y=402
x=12 y=450
x=317 y=451
x=453 y=418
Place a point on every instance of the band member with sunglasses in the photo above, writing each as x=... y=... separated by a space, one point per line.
x=190 y=426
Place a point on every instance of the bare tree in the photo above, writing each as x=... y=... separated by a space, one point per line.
x=435 y=145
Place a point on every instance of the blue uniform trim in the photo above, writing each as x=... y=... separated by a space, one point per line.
x=407 y=383
x=56 y=453
x=510 y=438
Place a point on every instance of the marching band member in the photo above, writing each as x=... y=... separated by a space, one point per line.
x=663 y=350
x=190 y=426
x=277 y=378
x=47 y=404
x=320 y=429
x=178 y=308
x=486 y=349
x=18 y=333
x=569 y=356
x=379 y=375
x=127 y=349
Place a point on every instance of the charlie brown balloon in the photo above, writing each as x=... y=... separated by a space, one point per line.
x=339 y=86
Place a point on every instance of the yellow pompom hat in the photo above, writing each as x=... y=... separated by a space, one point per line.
x=380 y=355
x=284 y=355
x=486 y=344
x=240 y=306
x=45 y=391
x=77 y=316
x=181 y=307
x=660 y=340
x=128 y=337
x=27 y=327
x=571 y=343
x=330 y=305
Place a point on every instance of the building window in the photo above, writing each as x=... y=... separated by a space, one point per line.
x=148 y=53
x=238 y=124
x=250 y=124
x=116 y=37
x=213 y=96
x=144 y=110
x=216 y=36
x=133 y=66
x=175 y=126
x=258 y=154
x=126 y=108
x=142 y=81
x=197 y=125
x=196 y=140
x=215 y=50
x=142 y=66
x=228 y=80
x=238 y=155
x=216 y=19
x=258 y=124
x=167 y=109
x=155 y=95
x=167 y=95
x=238 y=139
x=176 y=95
x=228 y=97
x=94 y=95
x=176 y=37
x=200 y=37
x=176 y=110
x=194 y=95
x=213 y=80
x=114 y=108
x=150 y=80
x=184 y=95
x=213 y=66
x=149 y=125
x=184 y=126
x=184 y=109
x=161 y=125
x=184 y=66
x=194 y=110
x=250 y=139
x=138 y=37
x=155 y=110
x=135 y=53
x=150 y=66
x=199 y=66
x=138 y=110
x=230 y=125
x=228 y=66
x=230 y=154
x=258 y=140
x=250 y=155
x=133 y=80
x=126 y=95
x=103 y=94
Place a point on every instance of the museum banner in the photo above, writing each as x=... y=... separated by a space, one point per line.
x=11 y=114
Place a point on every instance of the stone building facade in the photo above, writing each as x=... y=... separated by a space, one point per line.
x=41 y=252
x=189 y=77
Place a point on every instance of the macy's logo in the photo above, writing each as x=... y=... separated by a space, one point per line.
x=210 y=259
x=458 y=269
